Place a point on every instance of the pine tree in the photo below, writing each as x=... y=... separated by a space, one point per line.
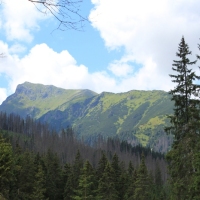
x=72 y=174
x=65 y=178
x=117 y=175
x=185 y=123
x=85 y=188
x=158 y=182
x=25 y=175
x=53 y=176
x=69 y=183
x=195 y=187
x=129 y=195
x=6 y=161
x=101 y=166
x=39 y=188
x=142 y=183
x=106 y=187
x=77 y=167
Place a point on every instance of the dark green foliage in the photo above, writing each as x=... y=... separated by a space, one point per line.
x=129 y=195
x=68 y=182
x=117 y=175
x=39 y=173
x=185 y=125
x=158 y=182
x=6 y=162
x=71 y=177
x=77 y=167
x=106 y=187
x=39 y=187
x=25 y=176
x=42 y=177
x=101 y=166
x=142 y=183
x=86 y=187
x=53 y=172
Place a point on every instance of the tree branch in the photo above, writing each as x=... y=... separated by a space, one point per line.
x=65 y=11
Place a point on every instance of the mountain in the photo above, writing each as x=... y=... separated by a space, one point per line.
x=131 y=115
x=36 y=100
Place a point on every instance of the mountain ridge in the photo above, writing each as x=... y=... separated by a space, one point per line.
x=133 y=114
x=37 y=99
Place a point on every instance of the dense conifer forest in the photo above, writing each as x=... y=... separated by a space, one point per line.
x=39 y=163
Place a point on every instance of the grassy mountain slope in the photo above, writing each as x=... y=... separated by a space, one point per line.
x=140 y=114
x=129 y=115
x=37 y=99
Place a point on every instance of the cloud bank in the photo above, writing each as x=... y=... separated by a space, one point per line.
x=20 y=19
x=43 y=65
x=150 y=32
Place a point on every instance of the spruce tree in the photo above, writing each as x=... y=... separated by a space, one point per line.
x=6 y=161
x=185 y=123
x=106 y=187
x=142 y=183
x=53 y=176
x=101 y=166
x=25 y=176
x=129 y=195
x=85 y=188
x=39 y=188
x=72 y=175
x=158 y=182
x=117 y=172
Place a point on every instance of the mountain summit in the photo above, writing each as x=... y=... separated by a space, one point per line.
x=130 y=115
x=35 y=100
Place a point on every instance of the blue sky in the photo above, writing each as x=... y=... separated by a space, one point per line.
x=124 y=46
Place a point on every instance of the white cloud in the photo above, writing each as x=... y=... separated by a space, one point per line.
x=150 y=31
x=120 y=69
x=17 y=48
x=44 y=65
x=20 y=19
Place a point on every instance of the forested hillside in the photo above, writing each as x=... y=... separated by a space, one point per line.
x=38 y=163
x=134 y=116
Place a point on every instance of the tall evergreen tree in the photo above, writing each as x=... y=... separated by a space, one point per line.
x=6 y=161
x=68 y=182
x=117 y=172
x=72 y=175
x=158 y=183
x=106 y=187
x=101 y=166
x=85 y=190
x=53 y=176
x=185 y=123
x=39 y=188
x=142 y=183
x=25 y=176
x=132 y=177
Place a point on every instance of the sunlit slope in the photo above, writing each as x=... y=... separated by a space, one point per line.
x=129 y=115
x=134 y=113
x=36 y=99
x=140 y=113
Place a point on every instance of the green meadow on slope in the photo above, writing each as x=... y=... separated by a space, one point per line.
x=37 y=99
x=131 y=115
